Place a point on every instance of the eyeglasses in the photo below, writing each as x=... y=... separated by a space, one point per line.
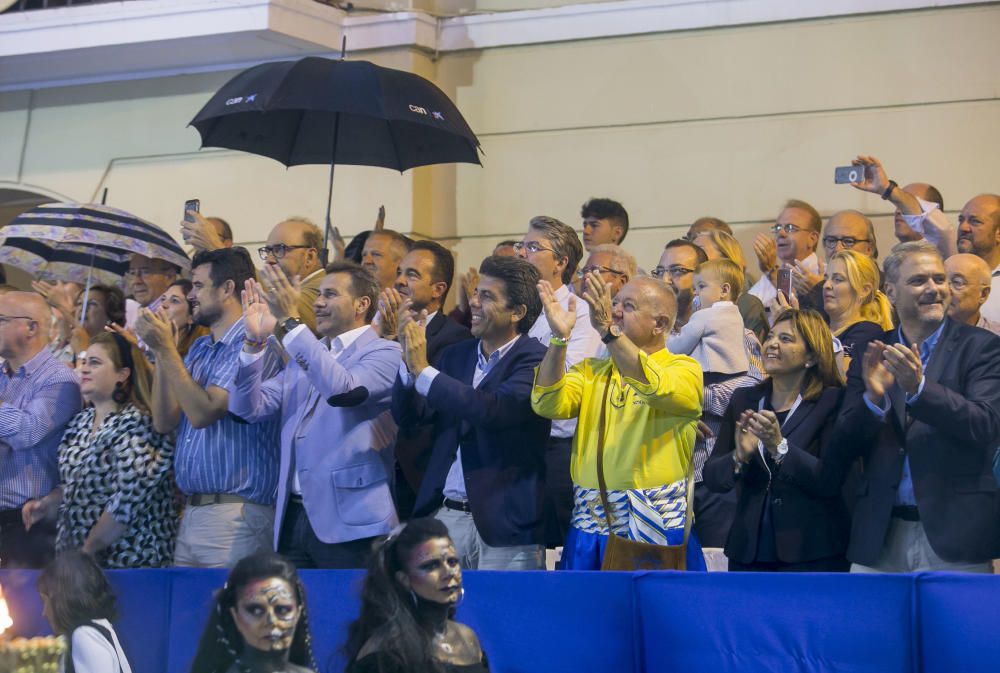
x=674 y=271
x=599 y=269
x=532 y=246
x=847 y=241
x=787 y=228
x=143 y=272
x=4 y=319
x=279 y=250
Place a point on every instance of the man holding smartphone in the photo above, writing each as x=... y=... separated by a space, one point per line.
x=794 y=237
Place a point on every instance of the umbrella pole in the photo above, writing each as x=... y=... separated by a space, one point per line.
x=329 y=195
x=86 y=290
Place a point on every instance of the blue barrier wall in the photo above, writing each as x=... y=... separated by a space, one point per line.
x=536 y=622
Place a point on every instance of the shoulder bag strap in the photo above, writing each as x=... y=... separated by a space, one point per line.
x=600 y=450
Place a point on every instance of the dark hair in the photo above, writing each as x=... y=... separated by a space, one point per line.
x=221 y=642
x=520 y=279
x=77 y=590
x=684 y=243
x=388 y=611
x=444 y=263
x=227 y=264
x=818 y=341
x=503 y=244
x=353 y=250
x=185 y=285
x=606 y=209
x=363 y=284
x=227 y=231
x=137 y=389
x=114 y=302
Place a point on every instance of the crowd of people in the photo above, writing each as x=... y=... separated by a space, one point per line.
x=835 y=413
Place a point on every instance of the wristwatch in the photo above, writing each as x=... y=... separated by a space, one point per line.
x=781 y=451
x=614 y=331
x=285 y=326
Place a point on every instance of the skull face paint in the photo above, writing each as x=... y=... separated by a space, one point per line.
x=266 y=614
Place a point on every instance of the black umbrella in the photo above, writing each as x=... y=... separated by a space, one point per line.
x=323 y=111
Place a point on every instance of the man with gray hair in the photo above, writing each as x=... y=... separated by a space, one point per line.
x=922 y=411
x=295 y=246
x=615 y=265
x=38 y=397
x=555 y=250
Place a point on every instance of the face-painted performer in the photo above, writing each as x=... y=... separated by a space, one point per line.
x=408 y=602
x=259 y=622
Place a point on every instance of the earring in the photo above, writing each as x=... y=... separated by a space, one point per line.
x=413 y=595
x=461 y=596
x=119 y=395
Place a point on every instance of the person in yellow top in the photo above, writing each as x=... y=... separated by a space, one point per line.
x=654 y=402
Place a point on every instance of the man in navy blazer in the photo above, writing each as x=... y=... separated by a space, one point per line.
x=485 y=479
x=423 y=279
x=922 y=409
x=334 y=485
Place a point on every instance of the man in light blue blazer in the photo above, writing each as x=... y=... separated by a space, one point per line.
x=337 y=436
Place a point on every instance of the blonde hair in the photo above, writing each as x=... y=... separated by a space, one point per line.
x=819 y=341
x=725 y=271
x=861 y=271
x=728 y=246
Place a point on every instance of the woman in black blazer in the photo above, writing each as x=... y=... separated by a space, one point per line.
x=790 y=515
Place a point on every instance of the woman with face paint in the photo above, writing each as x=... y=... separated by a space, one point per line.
x=258 y=623
x=408 y=602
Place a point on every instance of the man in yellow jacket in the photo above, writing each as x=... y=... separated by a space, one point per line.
x=653 y=402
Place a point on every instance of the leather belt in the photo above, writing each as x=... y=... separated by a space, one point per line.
x=201 y=499
x=906 y=512
x=457 y=505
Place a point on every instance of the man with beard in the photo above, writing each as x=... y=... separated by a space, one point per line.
x=226 y=468
x=676 y=268
x=922 y=410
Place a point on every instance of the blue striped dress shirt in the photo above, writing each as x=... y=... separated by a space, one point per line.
x=36 y=403
x=229 y=456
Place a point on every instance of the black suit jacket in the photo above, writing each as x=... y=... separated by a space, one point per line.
x=950 y=437
x=502 y=439
x=809 y=516
x=413 y=443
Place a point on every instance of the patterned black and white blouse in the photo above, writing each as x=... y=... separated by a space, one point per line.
x=125 y=469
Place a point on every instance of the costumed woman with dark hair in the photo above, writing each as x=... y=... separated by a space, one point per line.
x=408 y=602
x=79 y=604
x=259 y=622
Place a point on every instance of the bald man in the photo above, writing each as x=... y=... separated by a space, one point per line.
x=38 y=397
x=643 y=403
x=969 y=277
x=294 y=245
x=845 y=230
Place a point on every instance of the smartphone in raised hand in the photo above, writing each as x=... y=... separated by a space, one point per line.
x=191 y=204
x=845 y=175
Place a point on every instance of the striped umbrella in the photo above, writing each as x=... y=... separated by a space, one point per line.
x=83 y=243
